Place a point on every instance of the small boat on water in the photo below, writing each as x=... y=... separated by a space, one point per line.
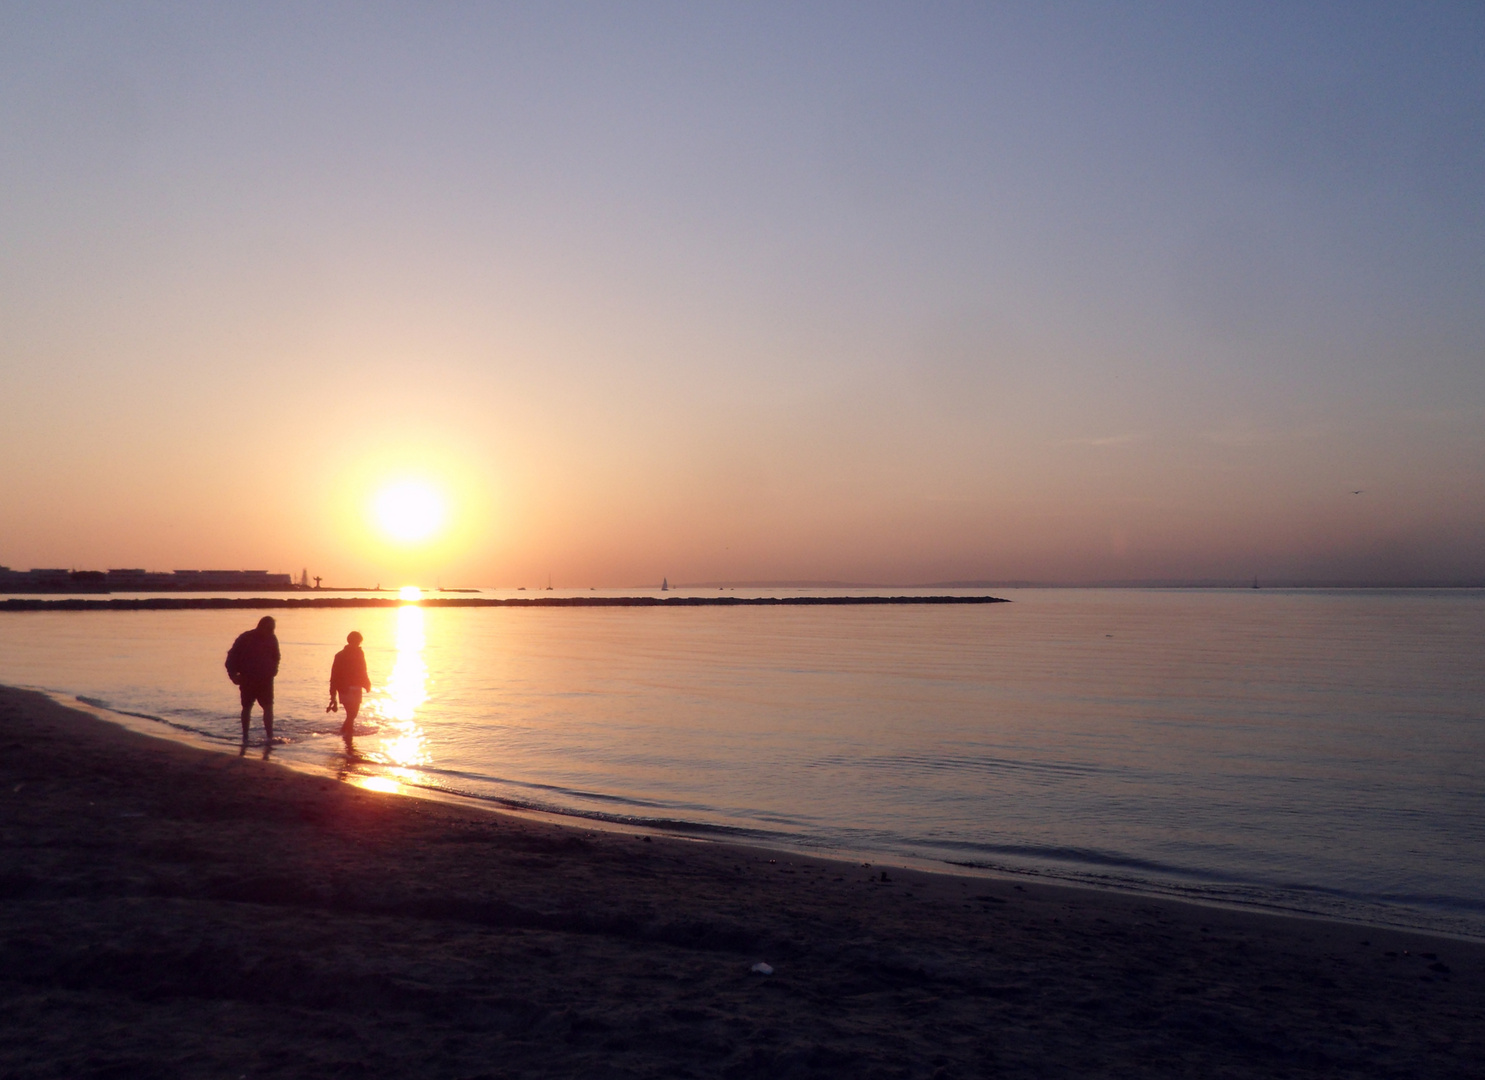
x=665 y=584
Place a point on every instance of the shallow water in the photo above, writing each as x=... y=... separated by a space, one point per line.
x=1309 y=750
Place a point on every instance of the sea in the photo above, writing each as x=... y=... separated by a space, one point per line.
x=1309 y=751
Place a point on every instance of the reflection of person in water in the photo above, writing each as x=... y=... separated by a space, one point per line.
x=252 y=663
x=348 y=679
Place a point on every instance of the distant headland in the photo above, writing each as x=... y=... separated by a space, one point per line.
x=108 y=581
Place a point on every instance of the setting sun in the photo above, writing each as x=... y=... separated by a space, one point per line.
x=410 y=511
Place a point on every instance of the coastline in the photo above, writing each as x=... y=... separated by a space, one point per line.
x=383 y=777
x=183 y=603
x=175 y=911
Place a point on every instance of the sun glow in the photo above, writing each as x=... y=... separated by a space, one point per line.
x=410 y=511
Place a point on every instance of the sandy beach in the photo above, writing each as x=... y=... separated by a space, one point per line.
x=174 y=912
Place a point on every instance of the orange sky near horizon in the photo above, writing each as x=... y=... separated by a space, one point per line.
x=877 y=296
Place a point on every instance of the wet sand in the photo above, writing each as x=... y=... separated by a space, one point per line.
x=173 y=912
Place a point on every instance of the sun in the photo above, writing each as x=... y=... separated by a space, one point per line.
x=410 y=511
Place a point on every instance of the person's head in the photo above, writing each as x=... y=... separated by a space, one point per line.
x=266 y=624
x=353 y=638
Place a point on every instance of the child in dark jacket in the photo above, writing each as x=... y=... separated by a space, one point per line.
x=348 y=679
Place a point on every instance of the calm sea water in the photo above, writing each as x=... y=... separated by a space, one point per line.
x=1321 y=751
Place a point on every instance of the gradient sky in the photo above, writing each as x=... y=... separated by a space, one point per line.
x=884 y=293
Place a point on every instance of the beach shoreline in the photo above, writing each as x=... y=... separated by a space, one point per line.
x=697 y=832
x=175 y=911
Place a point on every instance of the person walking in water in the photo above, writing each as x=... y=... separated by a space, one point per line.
x=252 y=663
x=348 y=679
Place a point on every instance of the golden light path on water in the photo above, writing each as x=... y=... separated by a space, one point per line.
x=395 y=705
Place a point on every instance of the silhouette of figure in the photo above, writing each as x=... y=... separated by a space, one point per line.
x=348 y=679
x=252 y=663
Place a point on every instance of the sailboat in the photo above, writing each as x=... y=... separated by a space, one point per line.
x=665 y=584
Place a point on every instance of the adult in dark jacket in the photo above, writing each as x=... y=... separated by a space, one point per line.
x=252 y=663
x=348 y=679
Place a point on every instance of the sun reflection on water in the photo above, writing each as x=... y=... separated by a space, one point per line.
x=384 y=784
x=406 y=689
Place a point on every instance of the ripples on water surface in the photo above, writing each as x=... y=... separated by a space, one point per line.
x=1319 y=750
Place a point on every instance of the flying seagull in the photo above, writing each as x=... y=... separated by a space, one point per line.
x=1358 y=492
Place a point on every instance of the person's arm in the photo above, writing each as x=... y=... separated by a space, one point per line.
x=275 y=656
x=234 y=665
x=365 y=677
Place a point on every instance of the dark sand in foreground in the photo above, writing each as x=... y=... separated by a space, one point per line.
x=166 y=911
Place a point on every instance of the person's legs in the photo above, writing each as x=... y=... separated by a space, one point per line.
x=350 y=701
x=262 y=693
x=267 y=700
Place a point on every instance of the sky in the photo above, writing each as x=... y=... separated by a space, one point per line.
x=882 y=293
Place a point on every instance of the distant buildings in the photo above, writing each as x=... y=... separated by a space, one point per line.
x=99 y=581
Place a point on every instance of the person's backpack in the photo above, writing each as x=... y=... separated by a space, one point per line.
x=234 y=659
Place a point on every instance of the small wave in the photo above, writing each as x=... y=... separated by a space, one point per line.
x=562 y=805
x=191 y=729
x=667 y=824
x=1074 y=855
x=557 y=790
x=1433 y=912
x=955 y=763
